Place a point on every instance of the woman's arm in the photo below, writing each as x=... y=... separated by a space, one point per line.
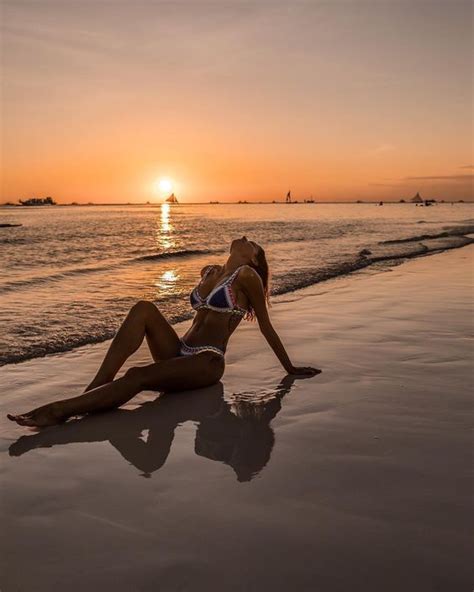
x=253 y=288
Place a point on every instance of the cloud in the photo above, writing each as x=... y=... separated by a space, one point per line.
x=441 y=178
x=467 y=166
x=382 y=148
x=405 y=183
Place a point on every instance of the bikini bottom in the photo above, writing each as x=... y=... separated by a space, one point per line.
x=188 y=350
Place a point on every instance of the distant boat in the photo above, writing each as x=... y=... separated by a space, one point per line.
x=416 y=199
x=288 y=197
x=172 y=199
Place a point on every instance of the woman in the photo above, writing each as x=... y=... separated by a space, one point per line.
x=226 y=294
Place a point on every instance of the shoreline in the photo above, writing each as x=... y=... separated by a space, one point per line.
x=418 y=246
x=358 y=478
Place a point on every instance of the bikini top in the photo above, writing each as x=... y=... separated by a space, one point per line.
x=220 y=298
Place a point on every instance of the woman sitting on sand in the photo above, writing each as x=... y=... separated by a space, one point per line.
x=226 y=294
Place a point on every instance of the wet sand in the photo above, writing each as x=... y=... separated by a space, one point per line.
x=357 y=479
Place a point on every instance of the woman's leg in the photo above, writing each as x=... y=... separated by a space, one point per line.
x=183 y=373
x=143 y=320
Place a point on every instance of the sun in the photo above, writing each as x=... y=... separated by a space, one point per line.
x=164 y=185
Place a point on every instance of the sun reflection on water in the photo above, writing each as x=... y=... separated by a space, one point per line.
x=165 y=229
x=165 y=217
x=167 y=282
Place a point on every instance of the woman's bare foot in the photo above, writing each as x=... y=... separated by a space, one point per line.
x=43 y=416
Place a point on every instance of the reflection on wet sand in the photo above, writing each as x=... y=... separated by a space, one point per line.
x=236 y=432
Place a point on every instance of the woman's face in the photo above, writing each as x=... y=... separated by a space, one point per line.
x=245 y=248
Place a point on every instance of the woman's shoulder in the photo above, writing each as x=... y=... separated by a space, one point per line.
x=248 y=274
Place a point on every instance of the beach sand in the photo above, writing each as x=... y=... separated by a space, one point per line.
x=355 y=480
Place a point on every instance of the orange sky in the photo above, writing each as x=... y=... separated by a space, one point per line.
x=236 y=100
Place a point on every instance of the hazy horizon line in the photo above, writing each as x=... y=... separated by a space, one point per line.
x=242 y=202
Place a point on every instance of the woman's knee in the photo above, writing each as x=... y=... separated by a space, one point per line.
x=144 y=308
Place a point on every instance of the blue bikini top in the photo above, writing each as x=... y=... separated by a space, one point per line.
x=220 y=298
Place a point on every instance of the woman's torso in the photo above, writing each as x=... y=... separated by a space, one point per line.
x=220 y=305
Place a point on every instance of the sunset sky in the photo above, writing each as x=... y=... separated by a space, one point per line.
x=236 y=100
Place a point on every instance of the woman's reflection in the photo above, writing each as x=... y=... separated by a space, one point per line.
x=236 y=432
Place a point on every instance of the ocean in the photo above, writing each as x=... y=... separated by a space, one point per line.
x=70 y=273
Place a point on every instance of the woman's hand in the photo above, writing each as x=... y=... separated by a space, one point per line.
x=253 y=287
x=303 y=371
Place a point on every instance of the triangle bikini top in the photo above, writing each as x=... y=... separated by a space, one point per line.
x=220 y=298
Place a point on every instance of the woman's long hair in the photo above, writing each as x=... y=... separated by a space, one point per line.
x=264 y=272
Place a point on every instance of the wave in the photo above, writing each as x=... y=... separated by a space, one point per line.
x=19 y=284
x=297 y=280
x=63 y=345
x=452 y=231
x=172 y=255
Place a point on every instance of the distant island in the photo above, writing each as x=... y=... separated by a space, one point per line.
x=38 y=201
